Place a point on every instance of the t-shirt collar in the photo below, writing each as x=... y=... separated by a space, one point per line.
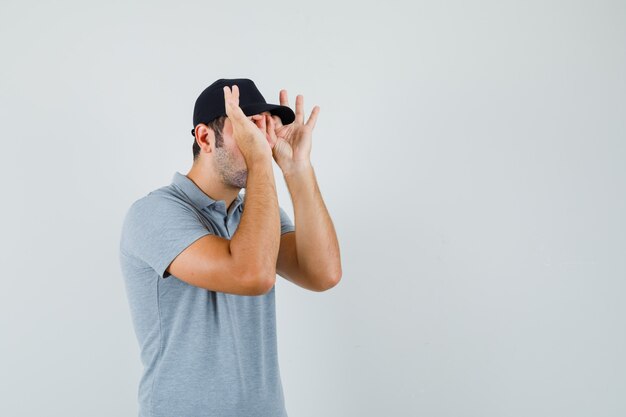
x=195 y=194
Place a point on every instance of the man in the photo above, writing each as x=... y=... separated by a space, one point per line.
x=200 y=260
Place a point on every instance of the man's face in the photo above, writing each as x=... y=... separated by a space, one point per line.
x=229 y=161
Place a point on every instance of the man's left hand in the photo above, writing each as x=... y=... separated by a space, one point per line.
x=291 y=144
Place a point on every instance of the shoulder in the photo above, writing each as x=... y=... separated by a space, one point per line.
x=159 y=201
x=157 y=208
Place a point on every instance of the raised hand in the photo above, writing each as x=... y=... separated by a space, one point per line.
x=251 y=141
x=291 y=147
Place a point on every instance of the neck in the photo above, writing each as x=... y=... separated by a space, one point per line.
x=209 y=182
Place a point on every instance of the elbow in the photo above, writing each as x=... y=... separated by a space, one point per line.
x=331 y=280
x=266 y=285
x=260 y=282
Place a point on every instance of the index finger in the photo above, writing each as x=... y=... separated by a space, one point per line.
x=231 y=96
x=231 y=102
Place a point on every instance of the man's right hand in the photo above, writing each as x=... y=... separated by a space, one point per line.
x=251 y=140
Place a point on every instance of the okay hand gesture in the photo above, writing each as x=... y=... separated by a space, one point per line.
x=292 y=147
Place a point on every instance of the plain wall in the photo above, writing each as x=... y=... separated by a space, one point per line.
x=472 y=156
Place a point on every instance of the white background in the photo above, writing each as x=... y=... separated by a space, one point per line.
x=472 y=156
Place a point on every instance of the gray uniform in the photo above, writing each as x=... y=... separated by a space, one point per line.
x=205 y=353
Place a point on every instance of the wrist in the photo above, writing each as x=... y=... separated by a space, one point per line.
x=298 y=169
x=258 y=158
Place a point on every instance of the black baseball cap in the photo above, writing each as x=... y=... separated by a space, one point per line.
x=210 y=103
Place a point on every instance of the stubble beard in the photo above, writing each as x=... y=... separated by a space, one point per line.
x=226 y=165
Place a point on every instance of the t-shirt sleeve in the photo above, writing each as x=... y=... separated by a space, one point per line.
x=157 y=229
x=286 y=225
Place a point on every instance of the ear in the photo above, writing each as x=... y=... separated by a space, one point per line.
x=205 y=138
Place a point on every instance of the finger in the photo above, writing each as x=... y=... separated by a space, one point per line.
x=263 y=123
x=227 y=95
x=282 y=98
x=228 y=104
x=236 y=94
x=231 y=101
x=271 y=131
x=313 y=117
x=299 y=108
x=256 y=119
x=228 y=100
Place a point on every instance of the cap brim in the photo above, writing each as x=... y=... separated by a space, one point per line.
x=285 y=113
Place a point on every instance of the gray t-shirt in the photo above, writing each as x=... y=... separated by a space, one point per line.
x=205 y=353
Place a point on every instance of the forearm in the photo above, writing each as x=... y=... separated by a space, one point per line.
x=316 y=240
x=257 y=239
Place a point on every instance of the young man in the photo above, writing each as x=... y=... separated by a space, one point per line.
x=200 y=260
